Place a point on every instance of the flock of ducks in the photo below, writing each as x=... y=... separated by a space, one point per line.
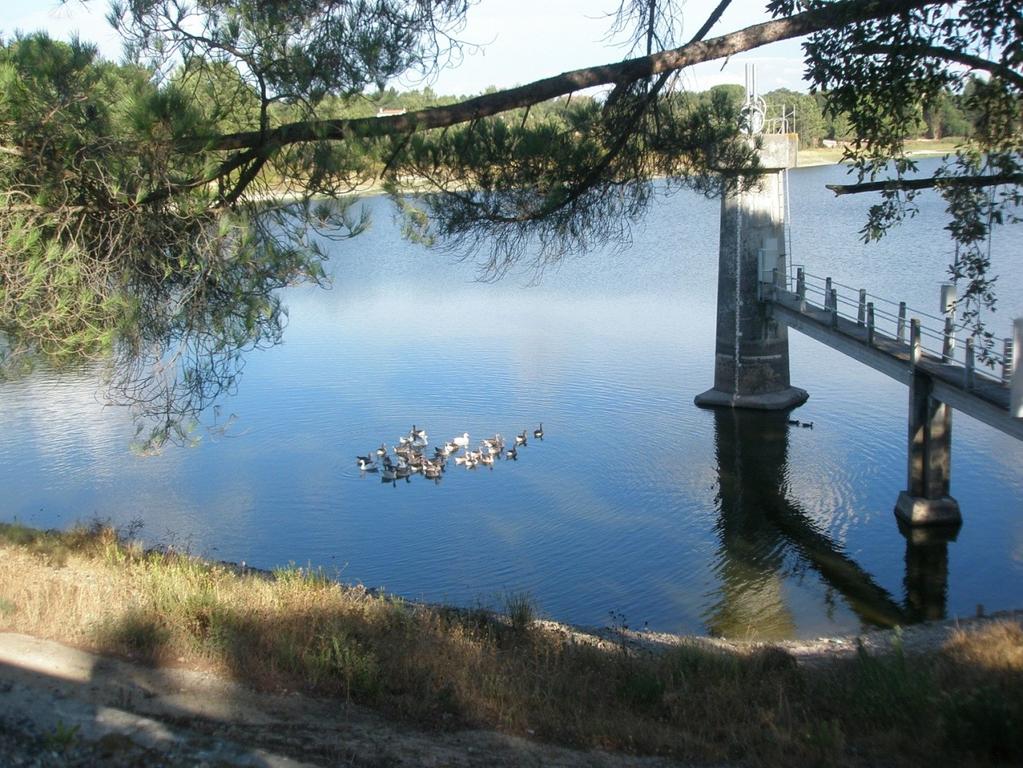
x=411 y=455
x=798 y=423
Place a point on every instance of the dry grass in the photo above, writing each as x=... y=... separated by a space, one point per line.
x=997 y=647
x=446 y=668
x=914 y=147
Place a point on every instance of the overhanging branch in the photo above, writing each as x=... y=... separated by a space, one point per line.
x=620 y=143
x=932 y=182
x=231 y=164
x=827 y=17
x=960 y=57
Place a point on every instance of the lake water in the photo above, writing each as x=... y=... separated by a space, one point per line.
x=635 y=502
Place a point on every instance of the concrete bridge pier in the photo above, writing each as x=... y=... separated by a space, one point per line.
x=751 y=366
x=926 y=500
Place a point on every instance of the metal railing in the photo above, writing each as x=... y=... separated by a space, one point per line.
x=923 y=332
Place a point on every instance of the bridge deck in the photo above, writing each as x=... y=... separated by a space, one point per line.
x=987 y=400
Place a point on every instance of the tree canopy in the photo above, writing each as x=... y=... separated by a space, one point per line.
x=150 y=208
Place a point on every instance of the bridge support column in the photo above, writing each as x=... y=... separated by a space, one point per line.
x=751 y=366
x=926 y=500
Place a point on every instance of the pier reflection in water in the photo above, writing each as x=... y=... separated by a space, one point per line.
x=764 y=537
x=926 y=579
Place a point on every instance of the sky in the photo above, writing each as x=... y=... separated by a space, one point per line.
x=519 y=41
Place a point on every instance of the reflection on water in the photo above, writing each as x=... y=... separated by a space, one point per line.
x=636 y=501
x=926 y=579
x=763 y=533
x=751 y=558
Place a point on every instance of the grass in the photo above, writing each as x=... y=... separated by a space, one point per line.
x=520 y=609
x=442 y=667
x=62 y=737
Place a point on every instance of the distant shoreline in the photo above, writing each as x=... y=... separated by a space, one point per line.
x=805 y=158
x=808 y=158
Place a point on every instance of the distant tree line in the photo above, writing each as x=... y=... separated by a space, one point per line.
x=947 y=115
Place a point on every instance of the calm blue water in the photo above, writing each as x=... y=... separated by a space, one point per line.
x=635 y=502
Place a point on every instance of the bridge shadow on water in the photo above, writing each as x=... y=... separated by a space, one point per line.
x=761 y=530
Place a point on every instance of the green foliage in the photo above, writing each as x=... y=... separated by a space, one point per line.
x=944 y=116
x=93 y=264
x=18 y=534
x=826 y=738
x=297 y=577
x=57 y=109
x=521 y=610
x=642 y=689
x=55 y=547
x=807 y=120
x=581 y=173
x=294 y=49
x=918 y=71
x=62 y=737
x=336 y=656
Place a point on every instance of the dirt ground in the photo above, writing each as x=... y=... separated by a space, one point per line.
x=60 y=706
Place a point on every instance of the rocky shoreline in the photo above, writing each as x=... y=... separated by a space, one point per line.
x=924 y=637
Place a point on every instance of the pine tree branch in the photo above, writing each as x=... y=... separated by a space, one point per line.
x=827 y=17
x=622 y=140
x=266 y=143
x=932 y=182
x=975 y=62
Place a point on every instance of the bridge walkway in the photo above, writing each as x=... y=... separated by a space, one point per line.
x=850 y=327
